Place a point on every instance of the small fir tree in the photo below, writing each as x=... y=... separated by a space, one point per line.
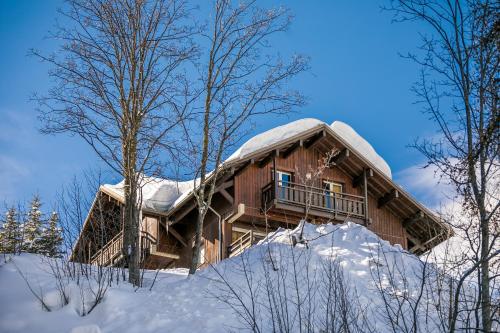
x=32 y=228
x=51 y=239
x=10 y=234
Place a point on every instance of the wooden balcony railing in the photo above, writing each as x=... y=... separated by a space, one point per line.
x=313 y=198
x=111 y=253
x=248 y=239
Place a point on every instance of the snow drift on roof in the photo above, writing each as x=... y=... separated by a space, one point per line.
x=157 y=194
x=274 y=136
x=362 y=146
x=295 y=128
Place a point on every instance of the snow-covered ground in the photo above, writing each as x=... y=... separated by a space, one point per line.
x=178 y=303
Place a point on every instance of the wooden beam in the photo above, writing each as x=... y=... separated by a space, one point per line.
x=417 y=242
x=315 y=138
x=359 y=179
x=414 y=218
x=224 y=185
x=340 y=157
x=292 y=148
x=268 y=158
x=185 y=211
x=227 y=196
x=238 y=214
x=388 y=197
x=154 y=251
x=176 y=234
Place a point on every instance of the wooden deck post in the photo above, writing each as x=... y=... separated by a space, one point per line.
x=275 y=176
x=365 y=190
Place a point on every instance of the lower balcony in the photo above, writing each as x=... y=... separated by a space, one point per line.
x=112 y=252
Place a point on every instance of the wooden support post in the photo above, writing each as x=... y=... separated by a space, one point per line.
x=359 y=180
x=275 y=176
x=365 y=190
x=388 y=197
x=339 y=158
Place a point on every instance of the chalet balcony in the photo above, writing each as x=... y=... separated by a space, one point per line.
x=111 y=252
x=319 y=202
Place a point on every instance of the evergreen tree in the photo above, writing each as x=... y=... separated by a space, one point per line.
x=51 y=239
x=10 y=233
x=33 y=227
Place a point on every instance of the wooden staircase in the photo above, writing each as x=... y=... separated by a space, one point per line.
x=244 y=242
x=110 y=253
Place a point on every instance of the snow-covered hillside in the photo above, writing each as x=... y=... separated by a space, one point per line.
x=348 y=257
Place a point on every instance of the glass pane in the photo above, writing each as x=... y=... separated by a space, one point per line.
x=337 y=188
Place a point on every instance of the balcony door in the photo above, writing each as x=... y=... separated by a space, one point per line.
x=331 y=189
x=284 y=183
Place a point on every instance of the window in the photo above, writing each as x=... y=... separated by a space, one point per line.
x=284 y=178
x=284 y=183
x=329 y=189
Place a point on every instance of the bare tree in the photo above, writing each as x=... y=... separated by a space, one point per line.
x=241 y=79
x=459 y=90
x=119 y=85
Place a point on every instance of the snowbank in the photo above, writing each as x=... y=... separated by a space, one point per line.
x=180 y=304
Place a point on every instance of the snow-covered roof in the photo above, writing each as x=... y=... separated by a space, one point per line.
x=296 y=128
x=164 y=194
x=348 y=134
x=157 y=194
x=275 y=136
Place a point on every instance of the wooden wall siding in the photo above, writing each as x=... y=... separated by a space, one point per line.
x=150 y=225
x=211 y=230
x=249 y=182
x=385 y=224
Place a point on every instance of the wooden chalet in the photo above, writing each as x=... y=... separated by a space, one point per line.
x=264 y=181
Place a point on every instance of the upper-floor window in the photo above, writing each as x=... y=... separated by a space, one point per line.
x=284 y=183
x=284 y=178
x=329 y=189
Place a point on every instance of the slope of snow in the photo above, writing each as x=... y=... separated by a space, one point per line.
x=365 y=149
x=180 y=304
x=157 y=194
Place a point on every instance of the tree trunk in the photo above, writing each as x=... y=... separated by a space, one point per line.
x=131 y=216
x=485 y=275
x=197 y=243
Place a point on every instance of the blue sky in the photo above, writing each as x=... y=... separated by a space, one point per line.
x=357 y=77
